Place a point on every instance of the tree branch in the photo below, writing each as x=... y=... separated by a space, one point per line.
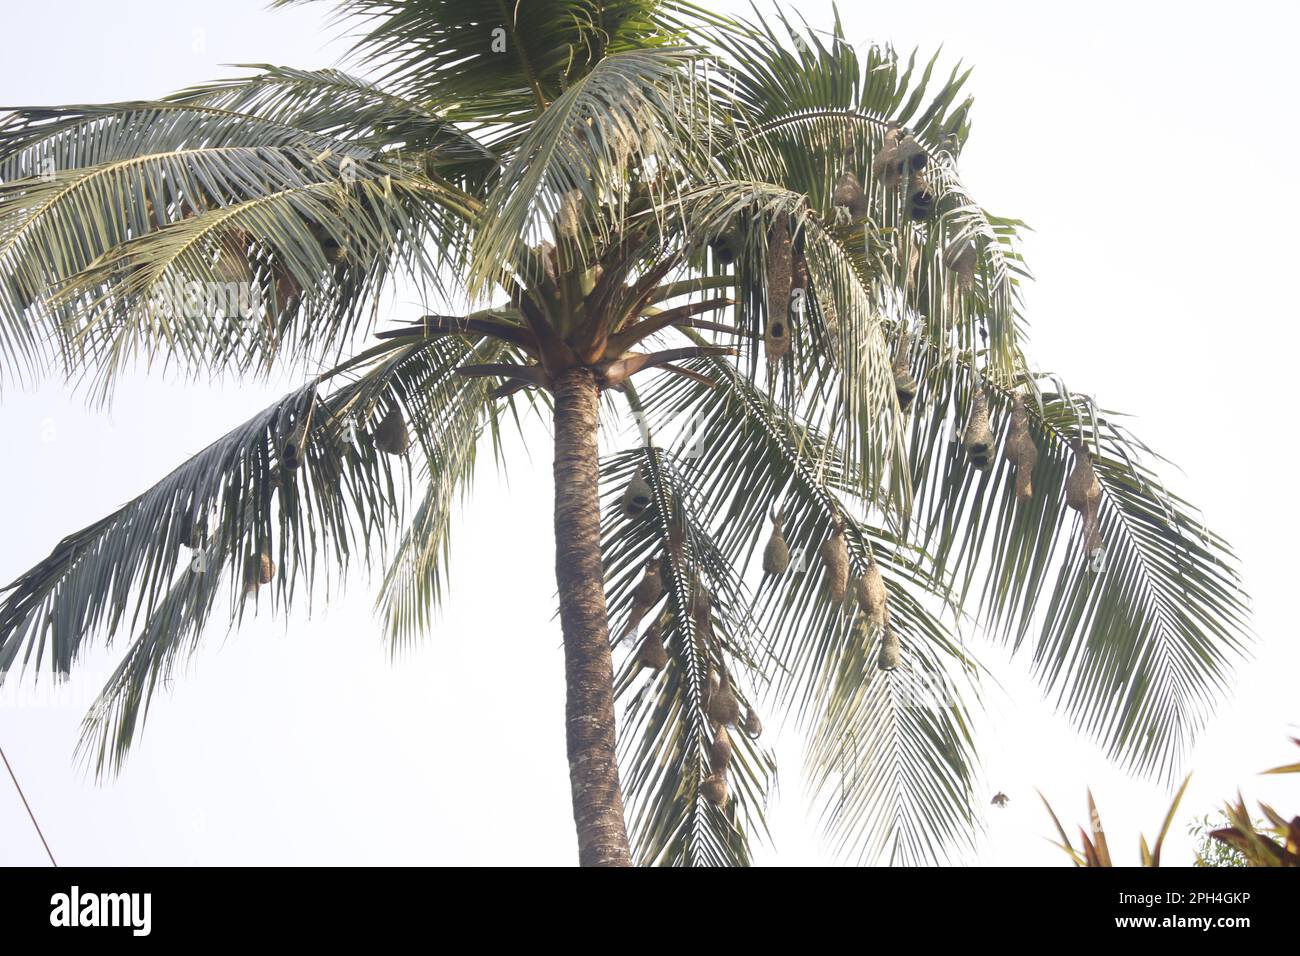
x=431 y=325
x=528 y=374
x=622 y=341
x=619 y=370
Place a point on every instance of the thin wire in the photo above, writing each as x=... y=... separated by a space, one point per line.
x=14 y=778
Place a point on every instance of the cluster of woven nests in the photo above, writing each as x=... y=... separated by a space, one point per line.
x=723 y=709
x=1082 y=493
x=1082 y=487
x=240 y=256
x=717 y=694
x=868 y=590
x=901 y=162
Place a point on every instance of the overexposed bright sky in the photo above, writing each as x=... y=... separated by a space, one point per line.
x=1150 y=146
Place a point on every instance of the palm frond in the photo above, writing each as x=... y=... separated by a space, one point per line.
x=637 y=109
x=824 y=111
x=839 y=364
x=1137 y=654
x=905 y=736
x=157 y=564
x=413 y=584
x=493 y=62
x=143 y=201
x=667 y=732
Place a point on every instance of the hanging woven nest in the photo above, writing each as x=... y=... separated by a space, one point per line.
x=1016 y=430
x=291 y=456
x=904 y=383
x=920 y=198
x=702 y=617
x=288 y=291
x=890 y=651
x=887 y=167
x=962 y=259
x=701 y=599
x=294 y=451
x=636 y=496
x=726 y=246
x=911 y=157
x=391 y=436
x=259 y=569
x=753 y=727
x=650 y=588
x=913 y=269
x=549 y=257
x=776 y=337
x=977 y=439
x=849 y=200
x=872 y=596
x=232 y=257
x=652 y=652
x=723 y=707
x=714 y=788
x=835 y=559
x=1082 y=489
x=1083 y=494
x=776 y=555
x=1020 y=449
x=712 y=684
x=645 y=595
x=334 y=251
x=720 y=751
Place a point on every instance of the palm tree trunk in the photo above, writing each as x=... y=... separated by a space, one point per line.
x=588 y=668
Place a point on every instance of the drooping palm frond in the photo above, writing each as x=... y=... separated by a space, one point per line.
x=48 y=140
x=413 y=584
x=286 y=275
x=667 y=730
x=149 y=205
x=347 y=108
x=890 y=757
x=1140 y=652
x=1137 y=652
x=158 y=564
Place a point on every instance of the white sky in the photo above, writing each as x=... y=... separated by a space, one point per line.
x=1149 y=146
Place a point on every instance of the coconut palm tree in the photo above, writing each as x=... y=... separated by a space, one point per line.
x=750 y=236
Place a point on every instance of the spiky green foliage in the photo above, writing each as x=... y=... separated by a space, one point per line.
x=562 y=179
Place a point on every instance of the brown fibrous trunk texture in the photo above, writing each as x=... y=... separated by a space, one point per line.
x=588 y=667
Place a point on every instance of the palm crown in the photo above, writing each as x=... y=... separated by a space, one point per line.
x=753 y=228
